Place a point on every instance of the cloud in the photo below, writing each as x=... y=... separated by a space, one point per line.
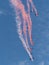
x=12 y=63
x=41 y=63
x=25 y=62
x=1 y=12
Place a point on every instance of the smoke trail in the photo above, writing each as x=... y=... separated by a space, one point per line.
x=23 y=41
x=26 y=48
x=23 y=16
x=33 y=7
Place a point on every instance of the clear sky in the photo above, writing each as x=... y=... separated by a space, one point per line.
x=11 y=49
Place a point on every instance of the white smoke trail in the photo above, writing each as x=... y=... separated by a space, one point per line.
x=26 y=48
x=33 y=7
x=22 y=39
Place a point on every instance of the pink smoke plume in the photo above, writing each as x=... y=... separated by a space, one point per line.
x=24 y=17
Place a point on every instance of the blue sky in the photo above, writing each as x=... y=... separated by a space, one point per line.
x=11 y=49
